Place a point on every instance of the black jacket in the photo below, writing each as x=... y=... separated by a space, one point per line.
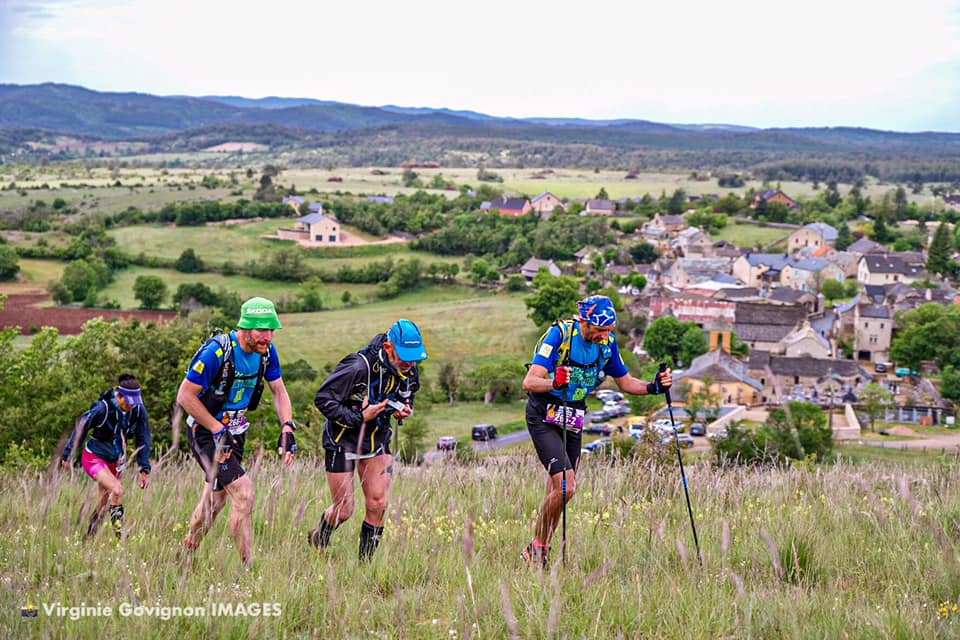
x=365 y=373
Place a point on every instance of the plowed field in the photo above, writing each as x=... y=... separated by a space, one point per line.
x=28 y=312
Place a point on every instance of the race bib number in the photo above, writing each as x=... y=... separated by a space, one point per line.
x=568 y=417
x=236 y=421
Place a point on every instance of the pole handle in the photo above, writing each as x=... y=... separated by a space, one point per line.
x=666 y=392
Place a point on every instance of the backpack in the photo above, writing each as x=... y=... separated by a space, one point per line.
x=214 y=397
x=563 y=351
x=566 y=335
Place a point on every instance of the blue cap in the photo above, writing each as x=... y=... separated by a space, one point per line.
x=598 y=311
x=407 y=339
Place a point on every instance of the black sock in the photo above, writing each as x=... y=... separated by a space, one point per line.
x=369 y=540
x=323 y=533
x=116 y=517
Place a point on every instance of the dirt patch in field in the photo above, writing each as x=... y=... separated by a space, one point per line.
x=27 y=311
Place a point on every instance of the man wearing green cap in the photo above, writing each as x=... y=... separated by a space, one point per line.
x=359 y=398
x=224 y=381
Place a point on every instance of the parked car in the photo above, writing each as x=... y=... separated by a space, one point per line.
x=880 y=367
x=483 y=432
x=609 y=395
x=636 y=429
x=617 y=410
x=447 y=443
x=685 y=440
x=601 y=415
x=598 y=445
x=665 y=426
x=717 y=435
x=698 y=429
x=906 y=371
x=598 y=429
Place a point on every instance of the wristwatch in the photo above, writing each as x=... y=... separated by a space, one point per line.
x=291 y=424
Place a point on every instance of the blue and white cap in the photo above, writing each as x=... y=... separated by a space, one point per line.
x=598 y=311
x=407 y=339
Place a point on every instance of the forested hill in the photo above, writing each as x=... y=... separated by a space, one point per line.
x=360 y=135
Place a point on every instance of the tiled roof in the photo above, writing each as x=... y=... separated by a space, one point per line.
x=829 y=233
x=769 y=314
x=311 y=218
x=874 y=311
x=805 y=366
x=722 y=367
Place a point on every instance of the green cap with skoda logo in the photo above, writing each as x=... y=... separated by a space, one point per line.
x=258 y=313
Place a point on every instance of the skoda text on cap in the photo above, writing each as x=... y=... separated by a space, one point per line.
x=258 y=313
x=407 y=339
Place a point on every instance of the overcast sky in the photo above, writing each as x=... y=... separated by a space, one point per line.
x=764 y=63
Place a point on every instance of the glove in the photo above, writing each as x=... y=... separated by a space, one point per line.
x=561 y=377
x=224 y=441
x=286 y=442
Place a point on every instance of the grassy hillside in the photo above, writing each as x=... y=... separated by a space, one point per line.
x=459 y=325
x=843 y=551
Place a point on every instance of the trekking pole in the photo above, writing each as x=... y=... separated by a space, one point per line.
x=563 y=482
x=676 y=441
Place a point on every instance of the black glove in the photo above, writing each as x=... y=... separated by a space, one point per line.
x=224 y=441
x=290 y=440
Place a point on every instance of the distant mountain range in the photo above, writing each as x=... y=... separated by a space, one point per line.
x=41 y=114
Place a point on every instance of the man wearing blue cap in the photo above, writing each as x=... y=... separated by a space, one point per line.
x=118 y=415
x=359 y=398
x=571 y=360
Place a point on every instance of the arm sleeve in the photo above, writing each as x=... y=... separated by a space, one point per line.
x=80 y=430
x=144 y=440
x=333 y=399
x=546 y=353
x=274 y=371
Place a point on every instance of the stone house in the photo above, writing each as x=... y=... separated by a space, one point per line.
x=760 y=269
x=763 y=326
x=873 y=332
x=545 y=203
x=815 y=234
x=771 y=196
x=532 y=266
x=888 y=268
x=805 y=274
x=803 y=378
x=727 y=375
x=600 y=208
x=312 y=230
x=687 y=272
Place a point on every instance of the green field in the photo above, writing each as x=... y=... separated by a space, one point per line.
x=750 y=235
x=40 y=272
x=151 y=188
x=121 y=289
x=239 y=243
x=460 y=325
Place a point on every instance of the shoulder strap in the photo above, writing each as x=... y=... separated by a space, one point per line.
x=566 y=336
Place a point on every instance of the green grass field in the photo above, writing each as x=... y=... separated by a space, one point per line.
x=121 y=289
x=749 y=235
x=151 y=188
x=866 y=551
x=239 y=243
x=460 y=325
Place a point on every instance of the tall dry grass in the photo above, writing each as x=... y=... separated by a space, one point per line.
x=828 y=552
